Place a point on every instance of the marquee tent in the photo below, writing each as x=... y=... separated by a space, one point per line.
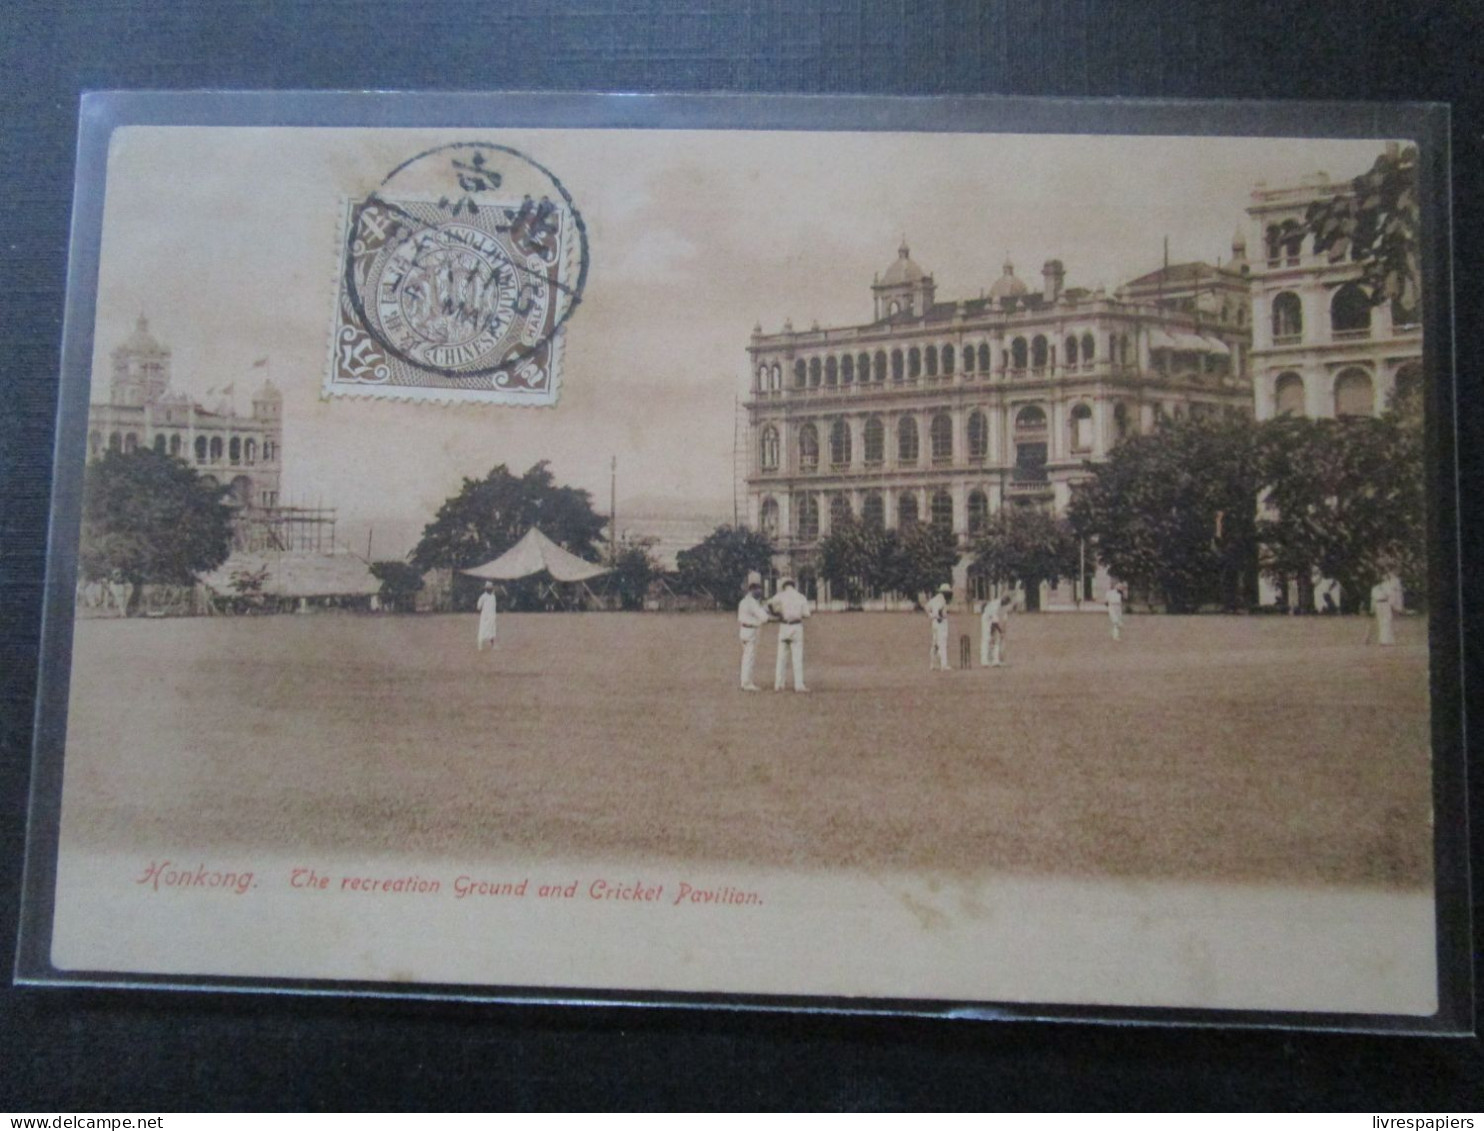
x=536 y=553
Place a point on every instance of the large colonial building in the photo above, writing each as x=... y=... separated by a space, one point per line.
x=142 y=410
x=945 y=411
x=1319 y=348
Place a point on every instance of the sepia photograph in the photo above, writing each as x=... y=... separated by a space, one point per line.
x=959 y=570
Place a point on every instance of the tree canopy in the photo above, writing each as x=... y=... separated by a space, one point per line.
x=152 y=519
x=856 y=557
x=718 y=566
x=920 y=559
x=634 y=568
x=1026 y=546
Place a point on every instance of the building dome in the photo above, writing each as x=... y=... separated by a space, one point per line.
x=1007 y=284
x=141 y=341
x=902 y=270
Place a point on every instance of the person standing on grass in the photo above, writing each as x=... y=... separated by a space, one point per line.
x=993 y=622
x=486 y=607
x=751 y=616
x=937 y=611
x=1115 y=610
x=1381 y=606
x=792 y=608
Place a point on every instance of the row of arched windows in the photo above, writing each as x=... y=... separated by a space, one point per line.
x=873 y=512
x=1031 y=418
x=1349 y=313
x=206 y=450
x=933 y=361
x=1353 y=392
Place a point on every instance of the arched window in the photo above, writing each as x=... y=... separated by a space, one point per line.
x=930 y=360
x=131 y=442
x=270 y=451
x=978 y=435
x=768 y=517
x=762 y=378
x=1406 y=390
x=831 y=371
x=1081 y=423
x=968 y=359
x=847 y=369
x=814 y=372
x=1123 y=349
x=873 y=509
x=1030 y=419
x=1089 y=347
x=215 y=449
x=875 y=439
x=840 y=443
x=1350 y=312
x=1288 y=395
x=250 y=451
x=940 y=433
x=801 y=374
x=863 y=367
x=175 y=444
x=1293 y=240
x=947 y=359
x=1288 y=317
x=1019 y=355
x=1120 y=419
x=777 y=377
x=907 y=440
x=1069 y=350
x=978 y=511
x=808 y=507
x=942 y=511
x=1273 y=237
x=1354 y=394
x=234 y=449
x=768 y=452
x=983 y=358
x=160 y=442
x=906 y=512
x=897 y=369
x=881 y=365
x=840 y=512
x=808 y=448
x=200 y=449
x=1038 y=352
x=914 y=363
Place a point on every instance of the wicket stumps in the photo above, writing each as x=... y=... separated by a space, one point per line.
x=963 y=652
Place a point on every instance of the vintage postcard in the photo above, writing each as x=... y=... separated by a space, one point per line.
x=961 y=557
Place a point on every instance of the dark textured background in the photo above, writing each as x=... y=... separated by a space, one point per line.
x=86 y=1050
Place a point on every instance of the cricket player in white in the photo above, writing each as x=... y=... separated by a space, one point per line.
x=486 y=607
x=751 y=616
x=937 y=611
x=993 y=622
x=1381 y=604
x=792 y=608
x=1115 y=610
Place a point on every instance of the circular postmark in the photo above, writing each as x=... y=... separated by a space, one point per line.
x=465 y=263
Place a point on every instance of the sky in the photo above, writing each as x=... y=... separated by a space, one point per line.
x=228 y=240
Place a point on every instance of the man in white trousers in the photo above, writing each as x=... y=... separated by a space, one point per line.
x=792 y=608
x=1115 y=610
x=486 y=607
x=751 y=616
x=993 y=622
x=937 y=611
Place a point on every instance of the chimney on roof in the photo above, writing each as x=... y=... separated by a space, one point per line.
x=1053 y=275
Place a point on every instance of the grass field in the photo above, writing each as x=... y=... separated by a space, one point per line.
x=1202 y=748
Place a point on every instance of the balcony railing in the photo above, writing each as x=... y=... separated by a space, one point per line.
x=1351 y=335
x=1287 y=339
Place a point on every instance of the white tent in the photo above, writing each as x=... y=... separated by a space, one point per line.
x=536 y=553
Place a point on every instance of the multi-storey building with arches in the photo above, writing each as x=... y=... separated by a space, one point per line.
x=944 y=412
x=1319 y=347
x=244 y=453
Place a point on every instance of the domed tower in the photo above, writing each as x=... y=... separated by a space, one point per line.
x=1007 y=285
x=1239 y=253
x=904 y=288
x=267 y=403
x=141 y=368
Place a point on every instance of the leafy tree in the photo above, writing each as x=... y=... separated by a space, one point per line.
x=1173 y=512
x=919 y=559
x=152 y=520
x=718 y=567
x=490 y=515
x=1344 y=498
x=1026 y=546
x=634 y=568
x=1377 y=225
x=400 y=582
x=857 y=556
